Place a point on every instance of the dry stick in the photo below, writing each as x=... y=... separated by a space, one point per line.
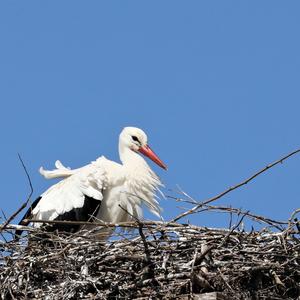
x=184 y=214
x=150 y=265
x=257 y=218
x=5 y=218
x=102 y=224
x=132 y=224
x=231 y=231
x=240 y=211
x=25 y=203
x=291 y=224
x=295 y=212
x=297 y=224
x=231 y=210
x=152 y=223
x=159 y=225
x=224 y=240
x=147 y=252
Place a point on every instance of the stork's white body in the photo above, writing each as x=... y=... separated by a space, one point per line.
x=120 y=189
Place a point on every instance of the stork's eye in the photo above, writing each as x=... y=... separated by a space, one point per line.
x=135 y=138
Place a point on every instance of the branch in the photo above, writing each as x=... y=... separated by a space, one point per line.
x=257 y=218
x=192 y=210
x=25 y=203
x=17 y=227
x=133 y=224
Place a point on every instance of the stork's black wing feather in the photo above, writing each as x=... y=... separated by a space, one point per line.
x=85 y=213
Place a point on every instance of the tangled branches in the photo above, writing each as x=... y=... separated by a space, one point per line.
x=161 y=260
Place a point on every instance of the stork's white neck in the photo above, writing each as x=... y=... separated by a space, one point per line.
x=132 y=160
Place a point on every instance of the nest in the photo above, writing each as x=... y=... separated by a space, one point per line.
x=156 y=260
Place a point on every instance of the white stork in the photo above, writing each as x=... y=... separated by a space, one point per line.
x=102 y=190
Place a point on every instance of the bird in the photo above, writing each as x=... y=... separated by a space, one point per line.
x=103 y=190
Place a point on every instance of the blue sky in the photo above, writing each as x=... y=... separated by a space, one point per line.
x=215 y=84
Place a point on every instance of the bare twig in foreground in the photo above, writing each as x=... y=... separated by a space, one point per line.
x=192 y=210
x=25 y=203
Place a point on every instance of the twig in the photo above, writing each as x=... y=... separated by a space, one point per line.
x=17 y=227
x=231 y=231
x=184 y=214
x=297 y=224
x=255 y=217
x=150 y=266
x=5 y=218
x=25 y=203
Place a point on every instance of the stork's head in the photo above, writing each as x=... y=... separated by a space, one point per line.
x=136 y=140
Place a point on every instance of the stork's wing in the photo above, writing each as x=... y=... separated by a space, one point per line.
x=60 y=172
x=77 y=197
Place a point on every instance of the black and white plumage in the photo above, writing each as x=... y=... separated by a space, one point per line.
x=102 y=190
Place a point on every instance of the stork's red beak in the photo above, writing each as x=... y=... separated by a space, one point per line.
x=146 y=150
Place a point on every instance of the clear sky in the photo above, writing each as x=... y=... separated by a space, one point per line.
x=215 y=84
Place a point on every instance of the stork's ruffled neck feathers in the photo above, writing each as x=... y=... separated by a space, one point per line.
x=141 y=180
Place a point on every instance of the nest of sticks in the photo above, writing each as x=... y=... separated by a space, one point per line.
x=157 y=260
